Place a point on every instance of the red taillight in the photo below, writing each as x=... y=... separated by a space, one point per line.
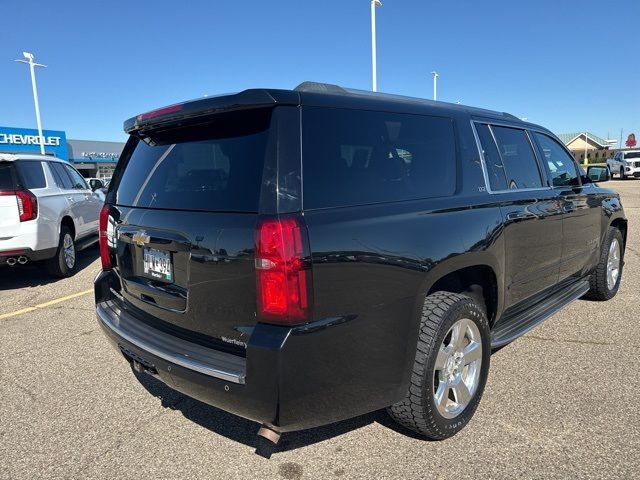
x=27 y=203
x=104 y=238
x=283 y=272
x=160 y=111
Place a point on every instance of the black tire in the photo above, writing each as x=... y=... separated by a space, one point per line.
x=57 y=266
x=418 y=410
x=599 y=287
x=622 y=175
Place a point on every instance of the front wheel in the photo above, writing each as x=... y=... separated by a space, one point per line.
x=64 y=263
x=450 y=369
x=622 y=175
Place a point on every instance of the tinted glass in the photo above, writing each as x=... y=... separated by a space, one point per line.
x=6 y=176
x=520 y=165
x=61 y=176
x=495 y=170
x=216 y=166
x=32 y=174
x=630 y=155
x=79 y=183
x=353 y=157
x=560 y=165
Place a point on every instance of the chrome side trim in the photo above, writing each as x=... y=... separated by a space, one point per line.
x=188 y=359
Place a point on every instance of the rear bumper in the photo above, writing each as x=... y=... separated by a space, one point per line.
x=29 y=239
x=222 y=385
x=32 y=255
x=292 y=378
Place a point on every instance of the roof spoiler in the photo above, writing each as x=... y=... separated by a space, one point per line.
x=181 y=113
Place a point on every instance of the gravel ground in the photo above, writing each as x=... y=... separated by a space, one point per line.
x=561 y=402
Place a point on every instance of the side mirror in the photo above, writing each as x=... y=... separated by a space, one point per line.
x=598 y=174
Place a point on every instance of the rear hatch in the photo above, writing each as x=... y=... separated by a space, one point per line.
x=185 y=202
x=8 y=205
x=17 y=202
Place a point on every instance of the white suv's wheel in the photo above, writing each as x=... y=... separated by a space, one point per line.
x=64 y=263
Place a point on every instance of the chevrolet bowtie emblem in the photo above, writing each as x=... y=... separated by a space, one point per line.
x=141 y=238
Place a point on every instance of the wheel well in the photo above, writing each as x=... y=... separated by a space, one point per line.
x=621 y=224
x=478 y=282
x=67 y=222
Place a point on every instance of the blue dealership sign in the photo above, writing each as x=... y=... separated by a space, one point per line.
x=25 y=140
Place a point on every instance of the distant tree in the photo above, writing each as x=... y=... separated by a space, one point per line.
x=631 y=140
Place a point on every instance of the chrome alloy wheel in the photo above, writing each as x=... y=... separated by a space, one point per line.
x=69 y=250
x=457 y=370
x=613 y=264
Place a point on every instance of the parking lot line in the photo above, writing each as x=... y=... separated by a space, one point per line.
x=45 y=304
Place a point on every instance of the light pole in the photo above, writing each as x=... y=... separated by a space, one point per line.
x=374 y=81
x=435 y=85
x=29 y=61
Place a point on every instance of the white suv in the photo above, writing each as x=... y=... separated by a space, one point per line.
x=47 y=212
x=626 y=164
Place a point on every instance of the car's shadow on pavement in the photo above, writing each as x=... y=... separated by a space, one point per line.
x=245 y=431
x=35 y=274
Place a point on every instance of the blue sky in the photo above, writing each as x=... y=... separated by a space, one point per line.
x=566 y=64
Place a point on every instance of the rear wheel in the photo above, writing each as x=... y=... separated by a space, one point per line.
x=605 y=280
x=450 y=369
x=64 y=262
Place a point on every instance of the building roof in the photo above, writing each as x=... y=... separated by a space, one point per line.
x=567 y=138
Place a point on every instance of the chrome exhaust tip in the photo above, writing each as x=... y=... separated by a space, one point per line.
x=11 y=261
x=22 y=259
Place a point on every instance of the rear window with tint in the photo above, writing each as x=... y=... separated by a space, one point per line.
x=31 y=174
x=216 y=166
x=6 y=176
x=353 y=157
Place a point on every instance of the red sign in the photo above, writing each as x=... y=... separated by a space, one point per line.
x=631 y=140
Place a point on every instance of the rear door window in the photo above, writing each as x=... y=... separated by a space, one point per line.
x=355 y=157
x=31 y=174
x=520 y=164
x=215 y=166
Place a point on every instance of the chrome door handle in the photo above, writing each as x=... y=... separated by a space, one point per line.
x=71 y=199
x=519 y=215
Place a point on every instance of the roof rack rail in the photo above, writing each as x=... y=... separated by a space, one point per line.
x=319 y=87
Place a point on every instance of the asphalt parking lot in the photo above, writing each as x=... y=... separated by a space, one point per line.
x=561 y=402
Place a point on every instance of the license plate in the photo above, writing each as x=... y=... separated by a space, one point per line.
x=157 y=264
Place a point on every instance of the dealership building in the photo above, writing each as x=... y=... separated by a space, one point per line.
x=92 y=158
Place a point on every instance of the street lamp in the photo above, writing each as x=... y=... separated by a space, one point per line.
x=374 y=81
x=29 y=61
x=435 y=85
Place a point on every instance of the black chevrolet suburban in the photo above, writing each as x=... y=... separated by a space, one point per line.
x=299 y=257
